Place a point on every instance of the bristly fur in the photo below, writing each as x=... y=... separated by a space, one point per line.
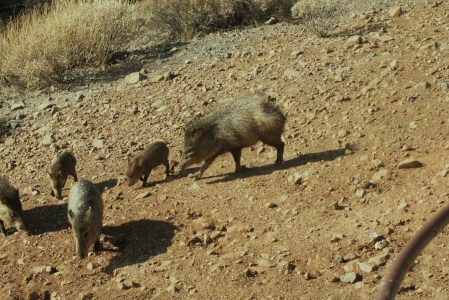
x=10 y=206
x=232 y=126
x=144 y=162
x=85 y=212
x=62 y=166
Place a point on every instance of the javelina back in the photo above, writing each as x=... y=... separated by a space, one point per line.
x=85 y=211
x=141 y=165
x=232 y=126
x=62 y=166
x=10 y=207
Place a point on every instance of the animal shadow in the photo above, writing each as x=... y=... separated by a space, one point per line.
x=142 y=239
x=292 y=163
x=47 y=218
x=103 y=185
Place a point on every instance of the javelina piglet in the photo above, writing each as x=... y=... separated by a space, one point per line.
x=62 y=166
x=85 y=212
x=10 y=207
x=140 y=166
x=232 y=126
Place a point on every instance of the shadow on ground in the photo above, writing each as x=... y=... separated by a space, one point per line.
x=142 y=238
x=292 y=163
x=104 y=185
x=123 y=63
x=47 y=218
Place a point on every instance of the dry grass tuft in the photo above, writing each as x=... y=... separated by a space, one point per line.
x=40 y=47
x=186 y=18
x=320 y=16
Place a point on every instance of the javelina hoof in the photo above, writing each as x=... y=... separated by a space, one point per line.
x=241 y=168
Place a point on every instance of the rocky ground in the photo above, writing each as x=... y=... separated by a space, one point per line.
x=326 y=225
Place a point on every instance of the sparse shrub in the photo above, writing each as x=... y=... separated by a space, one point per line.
x=42 y=46
x=186 y=18
x=319 y=16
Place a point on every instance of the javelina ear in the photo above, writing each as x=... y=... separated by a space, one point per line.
x=4 y=200
x=71 y=214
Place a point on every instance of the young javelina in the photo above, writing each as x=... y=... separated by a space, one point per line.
x=10 y=207
x=232 y=126
x=63 y=165
x=141 y=165
x=85 y=211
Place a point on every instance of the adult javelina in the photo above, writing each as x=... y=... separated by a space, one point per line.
x=10 y=207
x=232 y=126
x=62 y=166
x=141 y=165
x=85 y=210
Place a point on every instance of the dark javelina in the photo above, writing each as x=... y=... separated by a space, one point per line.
x=10 y=207
x=141 y=165
x=85 y=211
x=232 y=126
x=62 y=166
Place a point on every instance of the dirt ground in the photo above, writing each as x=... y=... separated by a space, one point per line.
x=356 y=107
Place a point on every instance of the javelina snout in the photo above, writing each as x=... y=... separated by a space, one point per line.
x=141 y=165
x=10 y=207
x=85 y=212
x=62 y=166
x=233 y=126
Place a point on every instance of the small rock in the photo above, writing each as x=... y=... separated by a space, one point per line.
x=86 y=296
x=48 y=140
x=402 y=205
x=46 y=105
x=142 y=195
x=98 y=143
x=50 y=270
x=443 y=85
x=9 y=141
x=379 y=175
x=337 y=237
x=354 y=40
x=395 y=11
x=38 y=269
x=422 y=86
x=272 y=21
x=271 y=205
x=172 y=289
x=134 y=78
x=360 y=193
x=156 y=78
x=379 y=260
x=410 y=163
x=17 y=106
x=366 y=267
x=342 y=133
x=297 y=53
x=350 y=277
x=92 y=265
x=290 y=74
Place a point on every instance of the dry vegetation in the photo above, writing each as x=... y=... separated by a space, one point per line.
x=43 y=45
x=320 y=16
x=186 y=18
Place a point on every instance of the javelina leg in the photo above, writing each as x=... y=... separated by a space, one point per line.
x=2 y=228
x=279 y=145
x=75 y=178
x=204 y=167
x=167 y=169
x=236 y=154
x=145 y=178
x=97 y=246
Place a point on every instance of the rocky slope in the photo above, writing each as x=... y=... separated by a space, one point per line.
x=326 y=225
